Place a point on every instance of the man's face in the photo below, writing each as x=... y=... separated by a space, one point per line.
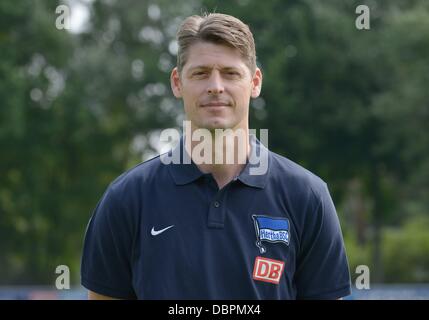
x=216 y=85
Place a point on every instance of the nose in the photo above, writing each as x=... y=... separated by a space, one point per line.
x=215 y=85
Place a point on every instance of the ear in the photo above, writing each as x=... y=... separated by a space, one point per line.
x=256 y=83
x=175 y=83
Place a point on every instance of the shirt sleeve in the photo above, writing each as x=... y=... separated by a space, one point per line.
x=106 y=258
x=322 y=270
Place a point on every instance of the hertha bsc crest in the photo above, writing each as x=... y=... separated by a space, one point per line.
x=271 y=230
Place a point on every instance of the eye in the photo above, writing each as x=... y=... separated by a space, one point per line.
x=233 y=74
x=199 y=73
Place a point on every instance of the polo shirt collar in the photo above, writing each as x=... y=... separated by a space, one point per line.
x=186 y=171
x=254 y=174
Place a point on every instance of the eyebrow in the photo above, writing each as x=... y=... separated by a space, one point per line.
x=204 y=67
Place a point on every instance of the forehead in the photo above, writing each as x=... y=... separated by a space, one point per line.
x=207 y=54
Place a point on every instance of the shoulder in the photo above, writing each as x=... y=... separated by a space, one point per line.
x=138 y=177
x=296 y=178
x=122 y=200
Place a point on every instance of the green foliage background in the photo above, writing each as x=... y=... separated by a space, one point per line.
x=77 y=109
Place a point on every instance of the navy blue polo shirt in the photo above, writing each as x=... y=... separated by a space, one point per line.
x=166 y=231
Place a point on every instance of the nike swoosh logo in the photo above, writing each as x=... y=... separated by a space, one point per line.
x=155 y=233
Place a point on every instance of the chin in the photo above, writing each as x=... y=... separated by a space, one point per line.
x=218 y=125
x=212 y=124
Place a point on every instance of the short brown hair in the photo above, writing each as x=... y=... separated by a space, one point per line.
x=216 y=28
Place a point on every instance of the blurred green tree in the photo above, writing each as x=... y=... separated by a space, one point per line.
x=77 y=109
x=349 y=105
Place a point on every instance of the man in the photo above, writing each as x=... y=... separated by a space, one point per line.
x=211 y=229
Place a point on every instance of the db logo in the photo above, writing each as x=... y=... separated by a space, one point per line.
x=268 y=270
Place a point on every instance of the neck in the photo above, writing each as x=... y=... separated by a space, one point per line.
x=223 y=153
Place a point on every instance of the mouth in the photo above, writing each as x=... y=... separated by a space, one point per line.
x=215 y=104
